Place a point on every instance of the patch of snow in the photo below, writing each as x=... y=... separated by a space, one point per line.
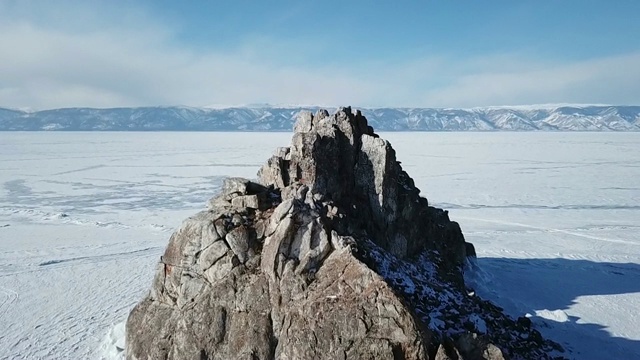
x=113 y=345
x=479 y=323
x=553 y=315
x=436 y=324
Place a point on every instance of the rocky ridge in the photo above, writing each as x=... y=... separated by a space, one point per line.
x=332 y=254
x=266 y=118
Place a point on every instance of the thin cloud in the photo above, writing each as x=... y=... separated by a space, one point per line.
x=47 y=64
x=48 y=68
x=613 y=80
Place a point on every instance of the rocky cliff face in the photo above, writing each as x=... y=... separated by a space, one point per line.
x=332 y=254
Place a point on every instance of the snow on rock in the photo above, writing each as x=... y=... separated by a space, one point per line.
x=553 y=315
x=478 y=323
x=113 y=345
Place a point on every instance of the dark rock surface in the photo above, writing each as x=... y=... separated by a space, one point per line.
x=334 y=255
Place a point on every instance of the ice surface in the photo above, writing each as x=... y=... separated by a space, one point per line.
x=85 y=216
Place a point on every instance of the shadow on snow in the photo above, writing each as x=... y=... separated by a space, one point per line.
x=523 y=286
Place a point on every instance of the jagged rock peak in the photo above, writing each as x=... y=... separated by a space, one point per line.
x=343 y=162
x=332 y=254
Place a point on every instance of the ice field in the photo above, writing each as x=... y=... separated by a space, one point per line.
x=555 y=219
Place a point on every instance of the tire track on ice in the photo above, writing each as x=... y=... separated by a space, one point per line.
x=81 y=260
x=97 y=257
x=9 y=298
x=550 y=230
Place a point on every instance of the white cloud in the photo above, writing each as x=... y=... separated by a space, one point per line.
x=613 y=80
x=46 y=68
x=49 y=62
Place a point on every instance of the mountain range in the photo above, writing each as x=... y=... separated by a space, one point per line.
x=268 y=118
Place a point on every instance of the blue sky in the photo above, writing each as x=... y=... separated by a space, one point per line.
x=362 y=53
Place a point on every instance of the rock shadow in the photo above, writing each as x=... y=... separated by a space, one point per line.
x=523 y=286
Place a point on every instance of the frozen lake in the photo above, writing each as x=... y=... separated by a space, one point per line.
x=84 y=217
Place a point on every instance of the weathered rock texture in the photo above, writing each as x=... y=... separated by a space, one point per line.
x=332 y=255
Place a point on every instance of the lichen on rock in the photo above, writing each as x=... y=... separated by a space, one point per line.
x=331 y=254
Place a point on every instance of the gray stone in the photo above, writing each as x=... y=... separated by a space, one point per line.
x=475 y=347
x=211 y=254
x=321 y=114
x=275 y=244
x=220 y=269
x=279 y=213
x=239 y=241
x=447 y=351
x=220 y=227
x=334 y=255
x=235 y=185
x=218 y=202
x=282 y=152
x=248 y=201
x=260 y=227
x=304 y=123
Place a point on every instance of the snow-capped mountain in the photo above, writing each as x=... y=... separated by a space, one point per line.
x=265 y=118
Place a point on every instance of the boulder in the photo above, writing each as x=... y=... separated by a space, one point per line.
x=332 y=254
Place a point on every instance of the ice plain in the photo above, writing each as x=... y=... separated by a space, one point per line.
x=84 y=217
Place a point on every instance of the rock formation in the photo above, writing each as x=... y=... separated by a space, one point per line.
x=331 y=254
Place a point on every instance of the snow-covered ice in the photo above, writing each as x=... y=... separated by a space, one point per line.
x=84 y=217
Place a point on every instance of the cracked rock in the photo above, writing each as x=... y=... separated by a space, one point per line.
x=332 y=254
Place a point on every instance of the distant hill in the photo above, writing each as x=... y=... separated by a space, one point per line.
x=265 y=118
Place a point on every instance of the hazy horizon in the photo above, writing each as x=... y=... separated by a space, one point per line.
x=325 y=106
